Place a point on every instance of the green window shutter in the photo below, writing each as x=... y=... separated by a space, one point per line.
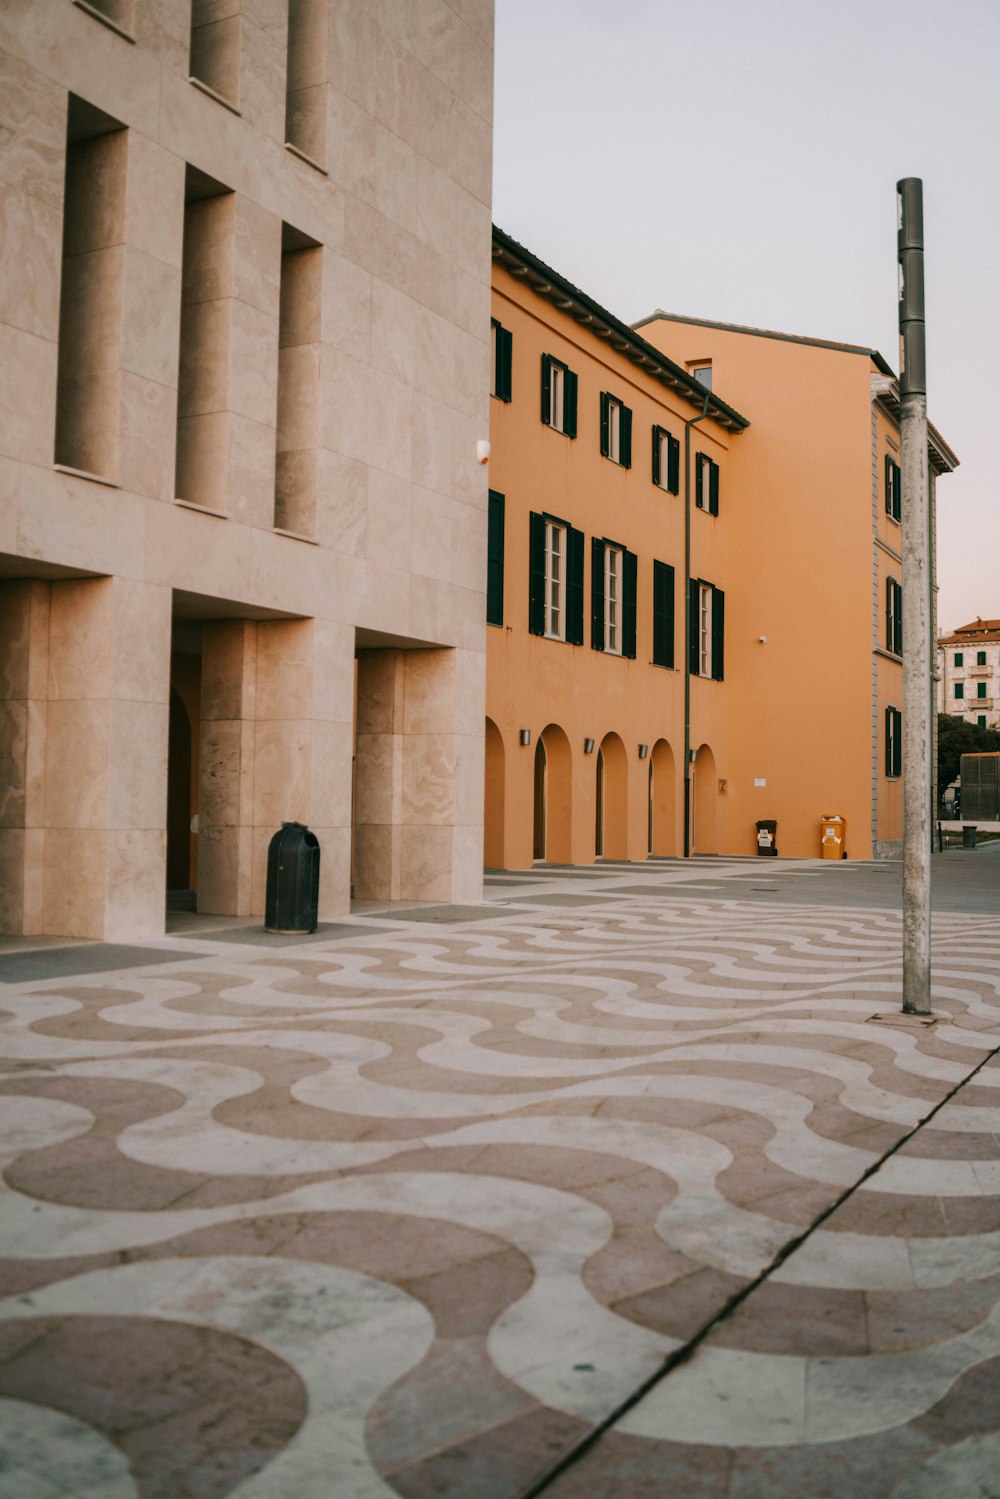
x=959 y=689
x=536 y=574
x=661 y=613
x=888 y=735
x=673 y=465
x=718 y=634
x=605 y=404
x=959 y=658
x=574 y=586
x=656 y=454
x=980 y=658
x=897 y=492
x=693 y=652
x=713 y=488
x=494 y=559
x=630 y=581
x=505 y=363
x=699 y=481
x=546 y=387
x=897 y=638
x=625 y=438
x=980 y=689
x=889 y=632
x=596 y=594
x=897 y=742
x=888 y=485
x=569 y=403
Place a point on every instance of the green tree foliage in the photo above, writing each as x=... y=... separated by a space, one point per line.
x=957 y=738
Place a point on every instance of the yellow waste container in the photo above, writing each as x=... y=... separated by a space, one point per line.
x=834 y=837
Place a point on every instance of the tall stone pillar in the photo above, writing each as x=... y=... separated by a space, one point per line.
x=24 y=634
x=419 y=775
x=87 y=700
x=275 y=747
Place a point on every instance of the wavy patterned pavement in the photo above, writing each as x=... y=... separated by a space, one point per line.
x=414 y=1208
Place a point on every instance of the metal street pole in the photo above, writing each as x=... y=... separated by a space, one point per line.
x=915 y=515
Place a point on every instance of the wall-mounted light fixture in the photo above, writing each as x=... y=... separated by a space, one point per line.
x=525 y=736
x=643 y=751
x=482 y=451
x=588 y=746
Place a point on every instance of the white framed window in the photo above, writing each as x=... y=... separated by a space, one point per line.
x=557 y=393
x=705 y=629
x=706 y=484
x=613 y=600
x=555 y=581
x=558 y=396
x=615 y=430
x=703 y=374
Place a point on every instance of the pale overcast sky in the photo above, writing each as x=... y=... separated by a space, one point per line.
x=738 y=161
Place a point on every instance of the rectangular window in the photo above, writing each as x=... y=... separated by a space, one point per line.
x=215 y=48
x=666 y=461
x=88 y=380
x=612 y=600
x=296 y=474
x=959 y=689
x=117 y=13
x=703 y=374
x=616 y=430
x=203 y=381
x=613 y=585
x=706 y=484
x=980 y=689
x=494 y=559
x=893 y=616
x=306 y=79
x=706 y=630
x=893 y=489
x=959 y=658
x=502 y=348
x=663 y=614
x=980 y=658
x=558 y=396
x=981 y=720
x=893 y=742
x=555 y=581
x=555 y=584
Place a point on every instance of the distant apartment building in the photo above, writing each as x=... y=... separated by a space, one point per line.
x=244 y=322
x=749 y=533
x=968 y=673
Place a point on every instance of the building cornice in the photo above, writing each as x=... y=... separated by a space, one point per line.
x=546 y=282
x=885 y=395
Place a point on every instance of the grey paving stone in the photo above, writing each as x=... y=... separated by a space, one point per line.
x=90 y=957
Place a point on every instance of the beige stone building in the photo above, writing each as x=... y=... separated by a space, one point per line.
x=968 y=673
x=244 y=308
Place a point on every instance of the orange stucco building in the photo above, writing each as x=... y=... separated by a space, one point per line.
x=694 y=560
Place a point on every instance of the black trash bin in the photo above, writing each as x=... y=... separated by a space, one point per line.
x=767 y=838
x=291 y=901
x=969 y=836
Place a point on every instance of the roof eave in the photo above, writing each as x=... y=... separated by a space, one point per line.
x=569 y=298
